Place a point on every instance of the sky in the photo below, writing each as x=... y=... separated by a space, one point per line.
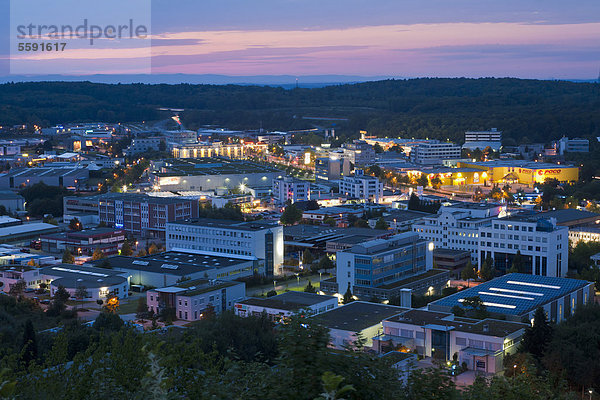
x=378 y=38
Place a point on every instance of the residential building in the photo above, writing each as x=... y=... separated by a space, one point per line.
x=480 y=344
x=576 y=145
x=362 y=187
x=142 y=215
x=359 y=153
x=290 y=189
x=85 y=242
x=203 y=174
x=169 y=268
x=543 y=245
x=433 y=152
x=191 y=299
x=259 y=239
x=358 y=317
x=277 y=308
x=517 y=296
x=456 y=225
x=386 y=268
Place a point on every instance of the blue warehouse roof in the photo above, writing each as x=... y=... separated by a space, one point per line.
x=515 y=294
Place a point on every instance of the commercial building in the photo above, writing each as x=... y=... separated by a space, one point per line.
x=572 y=218
x=543 y=245
x=523 y=172
x=204 y=149
x=433 y=152
x=210 y=174
x=181 y=136
x=290 y=189
x=357 y=317
x=143 y=215
x=85 y=209
x=480 y=344
x=191 y=299
x=359 y=153
x=258 y=239
x=338 y=213
x=331 y=168
x=12 y=201
x=25 y=231
x=517 y=296
x=85 y=242
x=362 y=187
x=386 y=268
x=143 y=144
x=282 y=306
x=456 y=226
x=483 y=139
x=171 y=267
x=52 y=176
x=584 y=234
x=576 y=145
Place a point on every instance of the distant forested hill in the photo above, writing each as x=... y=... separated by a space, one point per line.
x=526 y=110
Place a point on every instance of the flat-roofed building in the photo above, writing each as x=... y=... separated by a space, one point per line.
x=362 y=187
x=584 y=234
x=65 y=176
x=85 y=242
x=259 y=239
x=278 y=308
x=191 y=299
x=433 y=152
x=290 y=189
x=517 y=296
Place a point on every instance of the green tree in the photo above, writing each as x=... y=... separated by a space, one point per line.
x=487 y=270
x=348 y=297
x=108 y=321
x=17 y=288
x=98 y=254
x=518 y=264
x=307 y=257
x=382 y=224
x=291 y=215
x=30 y=350
x=332 y=389
x=476 y=306
x=326 y=263
x=67 y=257
x=422 y=180
x=126 y=249
x=75 y=225
x=537 y=336
x=310 y=288
x=142 y=308
x=330 y=221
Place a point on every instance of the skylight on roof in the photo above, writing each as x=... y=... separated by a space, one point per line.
x=516 y=291
x=507 y=295
x=488 y=304
x=540 y=285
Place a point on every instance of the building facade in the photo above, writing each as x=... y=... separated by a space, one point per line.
x=363 y=187
x=107 y=240
x=359 y=153
x=278 y=308
x=290 y=189
x=262 y=240
x=432 y=153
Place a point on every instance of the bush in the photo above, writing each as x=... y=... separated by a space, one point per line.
x=271 y=293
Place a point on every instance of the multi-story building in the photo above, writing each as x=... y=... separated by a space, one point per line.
x=144 y=215
x=576 y=145
x=434 y=152
x=204 y=149
x=382 y=267
x=362 y=187
x=141 y=145
x=290 y=189
x=456 y=226
x=262 y=240
x=481 y=344
x=483 y=139
x=181 y=136
x=191 y=299
x=107 y=240
x=543 y=245
x=584 y=234
x=85 y=209
x=359 y=153
x=331 y=168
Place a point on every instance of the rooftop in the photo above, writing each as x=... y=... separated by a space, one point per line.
x=356 y=316
x=381 y=245
x=289 y=301
x=143 y=198
x=213 y=166
x=75 y=275
x=228 y=224
x=515 y=294
x=569 y=215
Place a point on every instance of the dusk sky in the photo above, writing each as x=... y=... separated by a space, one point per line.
x=527 y=39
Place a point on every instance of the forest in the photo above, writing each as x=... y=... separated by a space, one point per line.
x=525 y=110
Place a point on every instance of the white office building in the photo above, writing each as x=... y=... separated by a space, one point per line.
x=576 y=145
x=483 y=139
x=292 y=189
x=362 y=187
x=142 y=145
x=262 y=240
x=543 y=245
x=434 y=152
x=456 y=226
x=359 y=153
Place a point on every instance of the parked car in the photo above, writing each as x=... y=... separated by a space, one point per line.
x=45 y=301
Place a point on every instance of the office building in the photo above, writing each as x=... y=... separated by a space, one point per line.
x=572 y=218
x=331 y=168
x=386 y=268
x=576 y=145
x=543 y=245
x=278 y=308
x=84 y=208
x=258 y=239
x=480 y=344
x=85 y=242
x=204 y=149
x=362 y=187
x=340 y=214
x=143 y=215
x=290 y=189
x=584 y=234
x=456 y=226
x=434 y=152
x=517 y=296
x=205 y=174
x=191 y=299
x=359 y=153
x=141 y=145
x=483 y=139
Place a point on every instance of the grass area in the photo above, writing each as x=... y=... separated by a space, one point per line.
x=127 y=306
